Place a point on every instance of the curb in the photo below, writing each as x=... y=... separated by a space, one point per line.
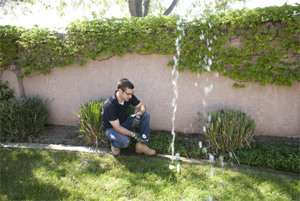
x=61 y=147
x=54 y=147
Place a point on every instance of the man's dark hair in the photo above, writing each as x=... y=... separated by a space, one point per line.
x=125 y=83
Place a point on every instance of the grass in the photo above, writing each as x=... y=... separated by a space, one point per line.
x=60 y=175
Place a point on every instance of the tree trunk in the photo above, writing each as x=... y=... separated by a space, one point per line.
x=132 y=8
x=20 y=82
x=146 y=7
x=172 y=6
x=140 y=8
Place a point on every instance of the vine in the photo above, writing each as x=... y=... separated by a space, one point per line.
x=268 y=43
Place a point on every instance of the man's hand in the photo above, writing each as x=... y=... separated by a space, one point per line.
x=136 y=120
x=139 y=137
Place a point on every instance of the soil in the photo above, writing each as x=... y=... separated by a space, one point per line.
x=69 y=135
x=55 y=134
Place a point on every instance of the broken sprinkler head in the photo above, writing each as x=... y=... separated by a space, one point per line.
x=177 y=157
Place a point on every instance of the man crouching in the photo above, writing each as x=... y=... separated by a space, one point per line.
x=118 y=128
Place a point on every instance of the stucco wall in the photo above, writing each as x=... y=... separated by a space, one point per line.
x=276 y=110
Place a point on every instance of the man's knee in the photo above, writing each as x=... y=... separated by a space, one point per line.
x=146 y=116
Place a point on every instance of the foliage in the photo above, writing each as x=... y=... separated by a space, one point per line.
x=90 y=125
x=229 y=130
x=5 y=92
x=269 y=37
x=274 y=156
x=21 y=118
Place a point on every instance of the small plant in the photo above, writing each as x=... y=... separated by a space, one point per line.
x=5 y=92
x=229 y=130
x=90 y=126
x=21 y=118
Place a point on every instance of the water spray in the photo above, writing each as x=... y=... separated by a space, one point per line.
x=175 y=75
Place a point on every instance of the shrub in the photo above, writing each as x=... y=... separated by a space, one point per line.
x=274 y=156
x=90 y=126
x=5 y=92
x=20 y=118
x=229 y=130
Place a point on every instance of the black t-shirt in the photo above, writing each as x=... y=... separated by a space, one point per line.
x=113 y=110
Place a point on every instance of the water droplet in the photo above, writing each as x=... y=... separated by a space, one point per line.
x=211 y=157
x=209 y=62
x=204 y=103
x=200 y=144
x=171 y=167
x=209 y=118
x=207 y=68
x=212 y=171
x=208 y=89
x=221 y=158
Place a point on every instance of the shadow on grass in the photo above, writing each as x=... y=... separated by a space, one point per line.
x=19 y=180
x=265 y=185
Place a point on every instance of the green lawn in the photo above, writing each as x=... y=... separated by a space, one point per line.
x=60 y=175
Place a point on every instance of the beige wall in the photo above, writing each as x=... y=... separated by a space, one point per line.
x=276 y=110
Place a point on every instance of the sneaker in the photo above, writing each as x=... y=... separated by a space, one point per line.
x=144 y=149
x=115 y=151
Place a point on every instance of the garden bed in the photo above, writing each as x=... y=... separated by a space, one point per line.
x=69 y=135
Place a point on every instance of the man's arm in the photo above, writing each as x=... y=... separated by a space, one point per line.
x=141 y=108
x=120 y=129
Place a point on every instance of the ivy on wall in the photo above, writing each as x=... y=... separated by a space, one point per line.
x=267 y=43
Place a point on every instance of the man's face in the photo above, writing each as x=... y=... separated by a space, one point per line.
x=127 y=94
